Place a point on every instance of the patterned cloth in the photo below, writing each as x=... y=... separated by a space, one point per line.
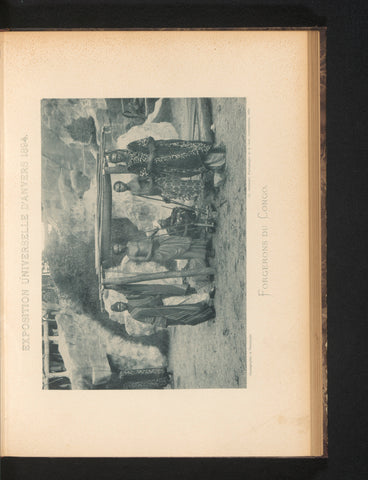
x=144 y=378
x=182 y=158
x=174 y=161
x=175 y=188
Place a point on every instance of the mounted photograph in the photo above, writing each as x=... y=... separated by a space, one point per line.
x=166 y=252
x=144 y=243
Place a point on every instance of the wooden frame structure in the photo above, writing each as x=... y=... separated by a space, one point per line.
x=103 y=230
x=47 y=374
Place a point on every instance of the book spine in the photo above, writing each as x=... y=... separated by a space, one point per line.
x=2 y=300
x=317 y=347
x=323 y=52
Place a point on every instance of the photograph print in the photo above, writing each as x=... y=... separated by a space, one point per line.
x=144 y=243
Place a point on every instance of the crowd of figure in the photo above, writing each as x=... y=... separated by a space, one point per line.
x=178 y=172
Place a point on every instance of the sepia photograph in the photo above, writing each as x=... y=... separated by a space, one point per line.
x=144 y=243
x=164 y=245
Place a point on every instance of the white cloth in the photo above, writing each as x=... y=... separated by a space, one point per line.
x=159 y=131
x=150 y=128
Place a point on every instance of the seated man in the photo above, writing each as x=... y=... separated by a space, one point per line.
x=154 y=313
x=162 y=249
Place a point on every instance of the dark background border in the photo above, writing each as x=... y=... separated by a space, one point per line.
x=347 y=175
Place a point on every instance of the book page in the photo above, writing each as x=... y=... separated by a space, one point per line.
x=239 y=379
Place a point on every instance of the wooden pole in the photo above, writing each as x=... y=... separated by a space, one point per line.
x=173 y=202
x=143 y=277
x=59 y=374
x=116 y=169
x=46 y=355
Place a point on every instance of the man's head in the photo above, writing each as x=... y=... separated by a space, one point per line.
x=119 y=307
x=118 y=156
x=164 y=222
x=118 y=248
x=120 y=187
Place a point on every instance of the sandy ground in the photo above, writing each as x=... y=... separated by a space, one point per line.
x=213 y=354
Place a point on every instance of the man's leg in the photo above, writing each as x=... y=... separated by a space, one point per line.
x=200 y=313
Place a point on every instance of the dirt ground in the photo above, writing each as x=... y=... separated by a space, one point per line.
x=213 y=354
